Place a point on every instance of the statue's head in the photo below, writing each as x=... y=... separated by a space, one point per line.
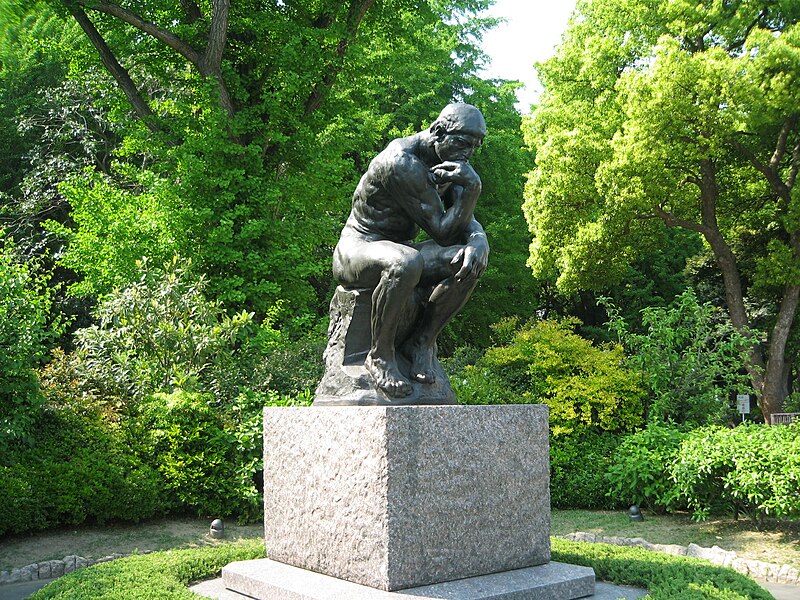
x=458 y=131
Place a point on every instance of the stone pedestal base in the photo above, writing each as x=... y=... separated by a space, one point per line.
x=269 y=580
x=407 y=496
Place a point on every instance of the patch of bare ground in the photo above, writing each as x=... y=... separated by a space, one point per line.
x=99 y=541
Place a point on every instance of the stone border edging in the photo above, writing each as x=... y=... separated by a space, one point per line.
x=51 y=569
x=725 y=558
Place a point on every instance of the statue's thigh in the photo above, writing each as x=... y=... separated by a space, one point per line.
x=363 y=264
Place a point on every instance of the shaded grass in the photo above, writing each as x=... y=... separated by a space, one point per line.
x=98 y=541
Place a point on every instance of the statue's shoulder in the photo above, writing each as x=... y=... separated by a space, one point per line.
x=400 y=159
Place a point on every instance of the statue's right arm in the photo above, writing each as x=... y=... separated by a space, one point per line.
x=410 y=184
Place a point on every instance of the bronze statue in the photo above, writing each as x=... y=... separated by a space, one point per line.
x=425 y=182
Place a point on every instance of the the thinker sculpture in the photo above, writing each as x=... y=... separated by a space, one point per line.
x=413 y=289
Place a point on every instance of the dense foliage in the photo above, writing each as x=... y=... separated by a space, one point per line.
x=750 y=470
x=579 y=462
x=79 y=467
x=162 y=332
x=27 y=327
x=680 y=115
x=690 y=357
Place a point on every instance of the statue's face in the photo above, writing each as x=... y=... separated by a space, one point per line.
x=456 y=145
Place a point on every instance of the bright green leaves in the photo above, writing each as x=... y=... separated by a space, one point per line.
x=545 y=362
x=26 y=330
x=778 y=267
x=623 y=128
x=690 y=357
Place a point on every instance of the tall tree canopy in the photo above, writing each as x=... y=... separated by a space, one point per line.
x=235 y=132
x=684 y=114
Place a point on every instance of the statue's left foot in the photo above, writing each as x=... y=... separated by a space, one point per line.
x=423 y=359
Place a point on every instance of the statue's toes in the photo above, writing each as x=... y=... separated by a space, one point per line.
x=403 y=389
x=424 y=377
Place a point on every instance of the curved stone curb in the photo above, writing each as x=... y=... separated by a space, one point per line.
x=50 y=569
x=725 y=558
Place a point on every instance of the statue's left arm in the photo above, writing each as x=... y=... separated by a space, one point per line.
x=474 y=256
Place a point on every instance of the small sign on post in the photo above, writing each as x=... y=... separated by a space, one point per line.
x=743 y=404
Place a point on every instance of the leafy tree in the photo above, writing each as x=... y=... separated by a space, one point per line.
x=690 y=357
x=665 y=113
x=251 y=123
x=34 y=156
x=26 y=331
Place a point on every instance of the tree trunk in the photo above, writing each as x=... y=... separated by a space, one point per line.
x=773 y=392
x=734 y=294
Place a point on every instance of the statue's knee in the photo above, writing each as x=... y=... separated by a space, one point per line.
x=406 y=269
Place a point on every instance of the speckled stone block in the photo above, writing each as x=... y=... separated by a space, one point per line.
x=270 y=580
x=406 y=496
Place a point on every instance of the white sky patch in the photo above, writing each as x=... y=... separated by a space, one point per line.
x=531 y=33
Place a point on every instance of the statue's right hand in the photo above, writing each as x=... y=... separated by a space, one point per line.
x=459 y=172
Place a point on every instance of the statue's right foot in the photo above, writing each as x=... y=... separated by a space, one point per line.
x=388 y=377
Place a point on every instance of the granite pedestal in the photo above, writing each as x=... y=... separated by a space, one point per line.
x=407 y=497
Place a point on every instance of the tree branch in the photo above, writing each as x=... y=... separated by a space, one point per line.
x=163 y=35
x=795 y=167
x=122 y=77
x=736 y=44
x=217 y=36
x=780 y=147
x=771 y=175
x=191 y=11
x=355 y=14
x=208 y=63
x=670 y=220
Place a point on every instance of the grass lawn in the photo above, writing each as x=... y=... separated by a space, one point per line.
x=779 y=543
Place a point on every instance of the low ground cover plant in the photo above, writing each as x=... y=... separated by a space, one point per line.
x=666 y=577
x=167 y=575
x=158 y=576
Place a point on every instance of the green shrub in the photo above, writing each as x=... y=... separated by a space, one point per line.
x=691 y=357
x=206 y=453
x=158 y=333
x=640 y=471
x=666 y=577
x=578 y=465
x=77 y=467
x=752 y=469
x=26 y=329
x=184 y=438
x=293 y=367
x=546 y=363
x=157 y=576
